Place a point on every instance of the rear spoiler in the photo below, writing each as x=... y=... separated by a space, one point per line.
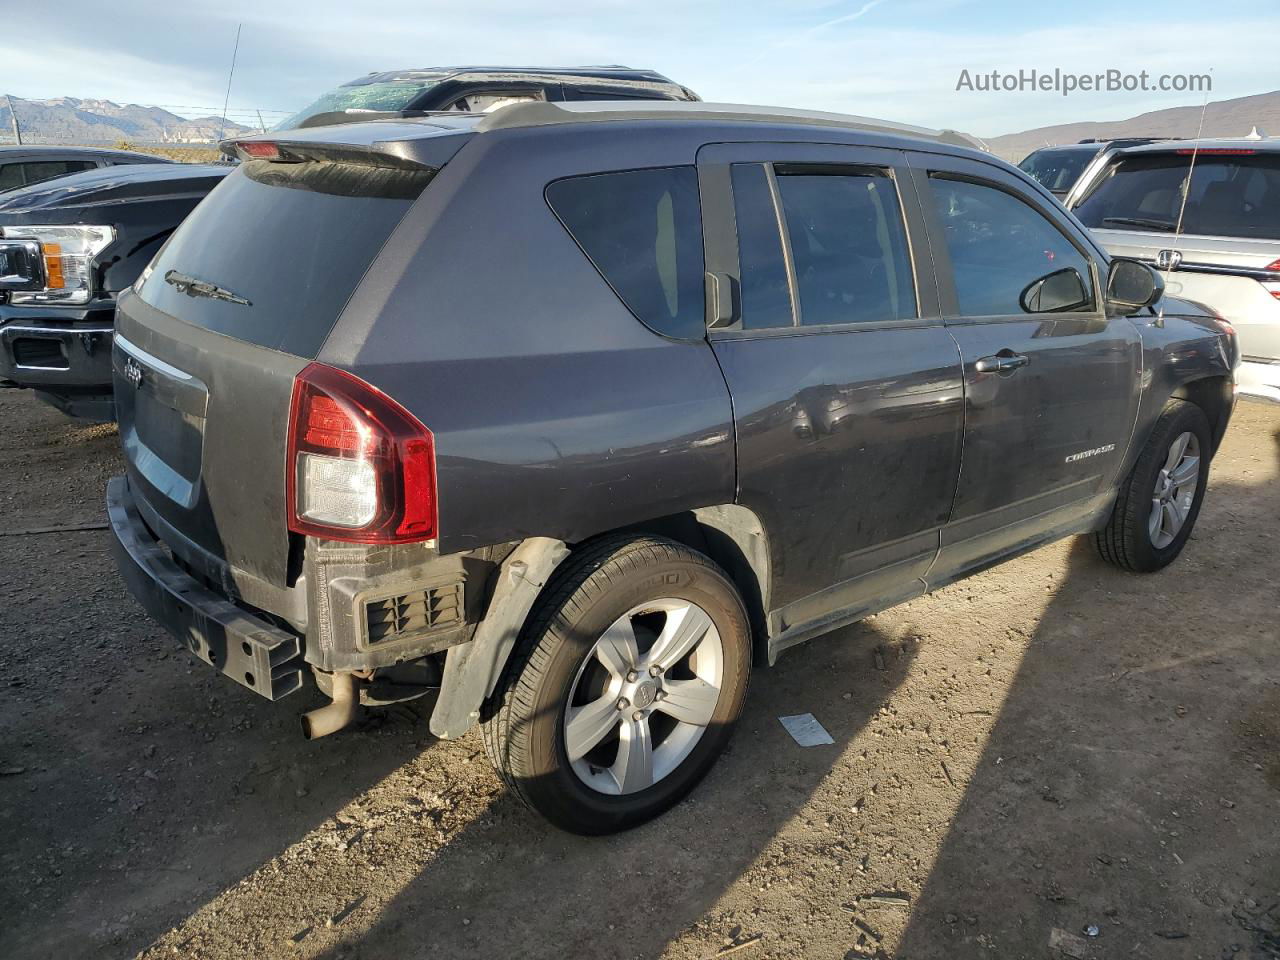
x=409 y=145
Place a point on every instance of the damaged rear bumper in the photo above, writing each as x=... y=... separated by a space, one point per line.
x=250 y=650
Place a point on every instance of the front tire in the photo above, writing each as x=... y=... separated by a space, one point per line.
x=624 y=686
x=1160 y=501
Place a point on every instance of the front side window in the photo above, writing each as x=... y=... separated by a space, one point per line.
x=492 y=100
x=1008 y=258
x=642 y=229
x=848 y=246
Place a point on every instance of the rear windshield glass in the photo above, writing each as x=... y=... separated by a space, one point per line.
x=1234 y=194
x=272 y=255
x=642 y=229
x=1057 y=170
x=383 y=96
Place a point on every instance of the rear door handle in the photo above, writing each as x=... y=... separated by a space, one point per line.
x=1005 y=361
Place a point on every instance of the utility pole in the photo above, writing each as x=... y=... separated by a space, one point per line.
x=261 y=126
x=13 y=118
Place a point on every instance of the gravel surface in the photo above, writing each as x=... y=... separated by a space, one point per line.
x=1052 y=759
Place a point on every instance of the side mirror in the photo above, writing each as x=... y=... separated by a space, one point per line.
x=1058 y=292
x=1132 y=285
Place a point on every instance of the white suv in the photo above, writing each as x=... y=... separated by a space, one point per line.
x=1227 y=256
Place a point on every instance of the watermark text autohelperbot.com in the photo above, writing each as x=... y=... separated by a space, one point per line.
x=1059 y=81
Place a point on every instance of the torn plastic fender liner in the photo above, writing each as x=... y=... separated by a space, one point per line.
x=472 y=669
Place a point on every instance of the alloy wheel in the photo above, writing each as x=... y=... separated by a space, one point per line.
x=644 y=696
x=1175 y=490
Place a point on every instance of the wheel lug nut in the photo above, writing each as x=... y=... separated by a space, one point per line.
x=632 y=676
x=660 y=695
x=638 y=715
x=623 y=703
x=655 y=670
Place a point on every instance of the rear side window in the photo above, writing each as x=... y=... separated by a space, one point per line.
x=766 y=293
x=291 y=239
x=643 y=231
x=10 y=176
x=1235 y=193
x=1001 y=247
x=848 y=246
x=48 y=169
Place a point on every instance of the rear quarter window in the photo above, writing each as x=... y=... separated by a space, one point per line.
x=642 y=229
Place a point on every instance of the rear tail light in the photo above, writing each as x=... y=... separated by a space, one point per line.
x=361 y=468
x=257 y=149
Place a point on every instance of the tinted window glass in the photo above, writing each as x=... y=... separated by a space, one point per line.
x=1058 y=169
x=643 y=231
x=1000 y=247
x=1229 y=195
x=849 y=247
x=10 y=176
x=293 y=239
x=766 y=299
x=48 y=169
x=383 y=95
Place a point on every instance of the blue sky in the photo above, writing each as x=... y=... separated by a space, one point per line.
x=898 y=59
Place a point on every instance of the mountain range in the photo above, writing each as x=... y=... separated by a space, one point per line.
x=69 y=120
x=1222 y=118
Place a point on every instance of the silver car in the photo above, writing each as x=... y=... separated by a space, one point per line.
x=1227 y=255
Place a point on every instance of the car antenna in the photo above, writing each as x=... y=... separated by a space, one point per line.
x=1182 y=209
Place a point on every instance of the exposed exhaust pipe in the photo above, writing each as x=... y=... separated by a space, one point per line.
x=336 y=715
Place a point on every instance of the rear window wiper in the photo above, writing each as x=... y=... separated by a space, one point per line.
x=1164 y=225
x=202 y=288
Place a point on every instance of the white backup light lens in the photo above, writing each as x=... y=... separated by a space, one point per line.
x=339 y=492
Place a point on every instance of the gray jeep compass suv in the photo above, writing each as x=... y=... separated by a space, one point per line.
x=571 y=413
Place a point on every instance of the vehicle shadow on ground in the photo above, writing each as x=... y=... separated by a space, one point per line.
x=1111 y=701
x=498 y=885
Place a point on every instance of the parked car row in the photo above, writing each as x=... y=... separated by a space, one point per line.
x=732 y=378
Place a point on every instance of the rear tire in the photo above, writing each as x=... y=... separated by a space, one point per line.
x=624 y=686
x=1159 y=502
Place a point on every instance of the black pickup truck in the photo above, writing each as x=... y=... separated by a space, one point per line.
x=67 y=248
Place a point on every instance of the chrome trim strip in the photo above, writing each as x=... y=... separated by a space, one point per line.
x=1219 y=268
x=150 y=360
x=54 y=331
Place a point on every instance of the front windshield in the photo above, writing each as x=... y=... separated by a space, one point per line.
x=384 y=95
x=1057 y=170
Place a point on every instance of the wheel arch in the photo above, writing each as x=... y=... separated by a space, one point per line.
x=734 y=537
x=730 y=534
x=1214 y=395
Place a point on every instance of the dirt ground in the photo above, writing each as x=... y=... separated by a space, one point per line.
x=1050 y=748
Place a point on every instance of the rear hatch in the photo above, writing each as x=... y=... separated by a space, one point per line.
x=237 y=302
x=1227 y=256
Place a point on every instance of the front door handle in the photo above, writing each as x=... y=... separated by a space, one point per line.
x=1006 y=361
